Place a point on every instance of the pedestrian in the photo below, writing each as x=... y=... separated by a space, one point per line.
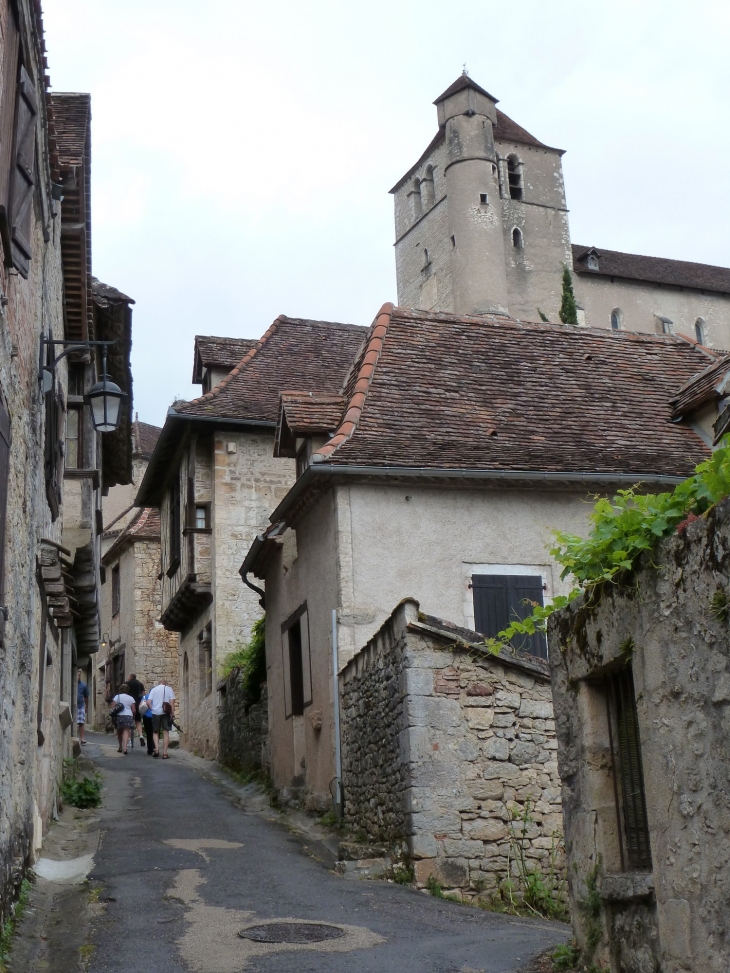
x=124 y=721
x=146 y=712
x=162 y=703
x=82 y=694
x=136 y=690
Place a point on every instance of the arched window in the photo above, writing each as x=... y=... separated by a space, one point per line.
x=700 y=330
x=427 y=191
x=593 y=262
x=415 y=195
x=514 y=176
x=617 y=318
x=517 y=239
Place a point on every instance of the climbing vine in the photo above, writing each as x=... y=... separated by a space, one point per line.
x=622 y=529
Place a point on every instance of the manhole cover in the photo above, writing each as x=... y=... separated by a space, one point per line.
x=291 y=932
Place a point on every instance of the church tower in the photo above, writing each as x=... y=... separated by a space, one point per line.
x=481 y=222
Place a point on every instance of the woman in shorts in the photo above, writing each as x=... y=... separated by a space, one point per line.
x=124 y=721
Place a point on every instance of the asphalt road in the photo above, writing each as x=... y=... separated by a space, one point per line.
x=182 y=868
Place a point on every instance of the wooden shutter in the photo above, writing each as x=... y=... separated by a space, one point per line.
x=306 y=661
x=7 y=118
x=628 y=767
x=4 y=477
x=286 y=673
x=23 y=178
x=502 y=598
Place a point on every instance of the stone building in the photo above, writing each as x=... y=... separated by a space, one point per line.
x=451 y=752
x=440 y=476
x=481 y=225
x=641 y=689
x=215 y=479
x=133 y=638
x=50 y=468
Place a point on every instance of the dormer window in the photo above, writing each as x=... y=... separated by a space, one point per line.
x=593 y=262
x=514 y=177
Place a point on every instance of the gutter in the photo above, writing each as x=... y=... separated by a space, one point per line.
x=625 y=479
x=247 y=566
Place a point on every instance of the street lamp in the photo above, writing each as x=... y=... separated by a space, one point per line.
x=104 y=398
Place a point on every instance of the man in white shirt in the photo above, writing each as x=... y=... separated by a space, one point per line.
x=161 y=702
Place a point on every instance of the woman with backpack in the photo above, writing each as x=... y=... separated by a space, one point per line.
x=122 y=713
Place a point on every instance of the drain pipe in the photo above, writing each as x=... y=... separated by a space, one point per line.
x=338 y=796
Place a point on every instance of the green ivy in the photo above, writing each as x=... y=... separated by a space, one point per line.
x=250 y=659
x=623 y=528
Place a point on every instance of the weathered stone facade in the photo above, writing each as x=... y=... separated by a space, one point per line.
x=667 y=628
x=243 y=722
x=446 y=747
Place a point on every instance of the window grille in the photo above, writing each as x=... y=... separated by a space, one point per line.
x=628 y=772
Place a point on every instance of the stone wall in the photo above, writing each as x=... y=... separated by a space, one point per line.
x=469 y=748
x=31 y=697
x=373 y=719
x=243 y=726
x=671 y=626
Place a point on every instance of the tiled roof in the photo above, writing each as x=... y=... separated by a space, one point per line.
x=223 y=352
x=144 y=526
x=305 y=414
x=463 y=81
x=295 y=353
x=657 y=270
x=145 y=437
x=72 y=115
x=435 y=390
x=105 y=295
x=504 y=131
x=702 y=388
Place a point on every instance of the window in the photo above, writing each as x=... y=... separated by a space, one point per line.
x=205 y=660
x=427 y=190
x=593 y=262
x=53 y=450
x=664 y=325
x=426 y=261
x=116 y=590
x=514 y=177
x=296 y=663
x=500 y=599
x=201 y=516
x=76 y=378
x=415 y=195
x=453 y=241
x=73 y=453
x=700 y=330
x=628 y=771
x=174 y=526
x=617 y=317
x=17 y=202
x=483 y=199
x=517 y=240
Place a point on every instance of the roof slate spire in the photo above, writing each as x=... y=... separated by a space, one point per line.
x=464 y=81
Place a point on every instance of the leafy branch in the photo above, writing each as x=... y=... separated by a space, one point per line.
x=622 y=529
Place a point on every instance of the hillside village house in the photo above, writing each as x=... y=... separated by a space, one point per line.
x=53 y=465
x=481 y=225
x=133 y=638
x=215 y=479
x=438 y=473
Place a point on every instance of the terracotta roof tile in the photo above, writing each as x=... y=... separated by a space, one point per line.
x=295 y=353
x=144 y=526
x=145 y=437
x=658 y=270
x=488 y=393
x=72 y=115
x=221 y=352
x=702 y=388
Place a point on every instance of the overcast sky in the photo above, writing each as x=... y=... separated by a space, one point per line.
x=243 y=152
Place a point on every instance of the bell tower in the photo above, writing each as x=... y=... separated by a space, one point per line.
x=468 y=115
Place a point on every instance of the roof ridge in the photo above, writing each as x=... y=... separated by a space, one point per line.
x=366 y=371
x=209 y=396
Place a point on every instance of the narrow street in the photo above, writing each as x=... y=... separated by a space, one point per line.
x=182 y=868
